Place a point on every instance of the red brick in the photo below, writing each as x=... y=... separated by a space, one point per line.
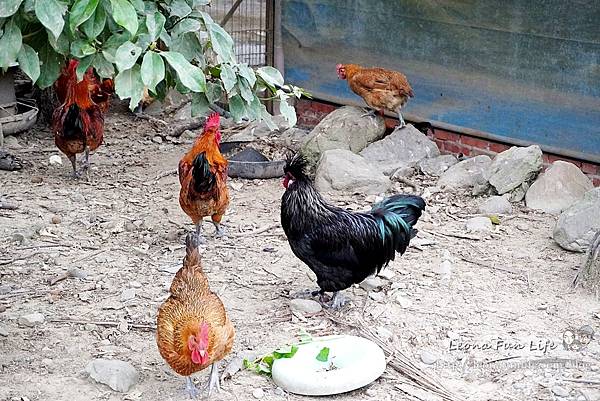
x=445 y=135
x=465 y=150
x=590 y=168
x=440 y=143
x=452 y=147
x=474 y=142
x=552 y=158
x=545 y=158
x=498 y=147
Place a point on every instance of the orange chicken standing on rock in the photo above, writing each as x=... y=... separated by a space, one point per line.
x=203 y=178
x=193 y=330
x=381 y=89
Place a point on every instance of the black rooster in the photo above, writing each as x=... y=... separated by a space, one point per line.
x=341 y=247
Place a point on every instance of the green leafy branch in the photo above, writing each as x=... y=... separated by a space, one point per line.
x=153 y=45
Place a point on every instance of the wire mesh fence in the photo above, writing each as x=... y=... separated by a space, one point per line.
x=250 y=24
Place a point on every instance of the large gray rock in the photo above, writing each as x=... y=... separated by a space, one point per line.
x=577 y=225
x=345 y=128
x=466 y=174
x=404 y=147
x=436 y=166
x=496 y=205
x=514 y=167
x=559 y=187
x=342 y=170
x=118 y=375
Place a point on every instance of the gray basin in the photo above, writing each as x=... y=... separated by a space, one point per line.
x=248 y=169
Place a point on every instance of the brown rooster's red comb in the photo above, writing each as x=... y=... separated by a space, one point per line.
x=213 y=121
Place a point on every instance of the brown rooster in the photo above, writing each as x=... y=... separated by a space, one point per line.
x=381 y=89
x=203 y=176
x=78 y=123
x=193 y=330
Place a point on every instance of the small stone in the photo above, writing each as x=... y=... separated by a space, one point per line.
x=444 y=268
x=173 y=234
x=127 y=294
x=118 y=375
x=55 y=219
x=31 y=320
x=371 y=393
x=258 y=393
x=157 y=139
x=279 y=392
x=496 y=205
x=3 y=332
x=400 y=286
x=77 y=273
x=376 y=296
x=46 y=361
x=560 y=391
x=305 y=306
x=18 y=237
x=90 y=327
x=428 y=358
x=436 y=166
x=11 y=142
x=404 y=302
x=85 y=296
x=387 y=274
x=36 y=179
x=129 y=226
x=135 y=284
x=480 y=223
x=372 y=283
x=384 y=333
x=55 y=160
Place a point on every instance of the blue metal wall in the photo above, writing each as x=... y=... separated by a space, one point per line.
x=522 y=71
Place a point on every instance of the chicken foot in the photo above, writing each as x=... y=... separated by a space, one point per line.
x=213 y=380
x=73 y=160
x=337 y=301
x=85 y=167
x=402 y=122
x=191 y=388
x=201 y=239
x=221 y=231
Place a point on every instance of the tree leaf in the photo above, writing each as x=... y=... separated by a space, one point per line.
x=189 y=46
x=124 y=14
x=186 y=25
x=287 y=110
x=247 y=73
x=323 y=355
x=103 y=67
x=180 y=8
x=270 y=75
x=94 y=26
x=29 y=62
x=220 y=40
x=228 y=77
x=153 y=70
x=80 y=12
x=10 y=44
x=237 y=108
x=61 y=45
x=83 y=66
x=110 y=46
x=9 y=7
x=200 y=3
x=189 y=75
x=139 y=5
x=50 y=65
x=81 y=48
x=128 y=84
x=50 y=14
x=214 y=91
x=199 y=104
x=126 y=55
x=155 y=24
x=245 y=89
x=494 y=219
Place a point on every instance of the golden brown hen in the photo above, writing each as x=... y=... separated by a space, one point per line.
x=193 y=330
x=381 y=89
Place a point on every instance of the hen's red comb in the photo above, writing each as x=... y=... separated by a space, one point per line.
x=213 y=121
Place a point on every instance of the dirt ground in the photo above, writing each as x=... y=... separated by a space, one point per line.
x=125 y=230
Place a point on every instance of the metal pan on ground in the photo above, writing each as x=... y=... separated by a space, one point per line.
x=250 y=163
x=352 y=362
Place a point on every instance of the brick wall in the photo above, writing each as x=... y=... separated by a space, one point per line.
x=311 y=112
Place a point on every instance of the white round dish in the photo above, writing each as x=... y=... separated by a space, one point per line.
x=353 y=363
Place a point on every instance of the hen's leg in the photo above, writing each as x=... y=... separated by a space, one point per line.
x=86 y=163
x=213 y=380
x=201 y=239
x=368 y=112
x=402 y=122
x=216 y=220
x=191 y=388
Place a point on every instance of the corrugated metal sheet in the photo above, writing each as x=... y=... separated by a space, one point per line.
x=523 y=71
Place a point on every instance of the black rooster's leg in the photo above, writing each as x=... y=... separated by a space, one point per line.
x=338 y=300
x=86 y=163
x=191 y=388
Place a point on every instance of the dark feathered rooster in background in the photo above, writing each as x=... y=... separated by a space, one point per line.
x=341 y=247
x=78 y=123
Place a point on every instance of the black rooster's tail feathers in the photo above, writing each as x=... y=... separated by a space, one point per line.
x=396 y=217
x=72 y=126
x=204 y=179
